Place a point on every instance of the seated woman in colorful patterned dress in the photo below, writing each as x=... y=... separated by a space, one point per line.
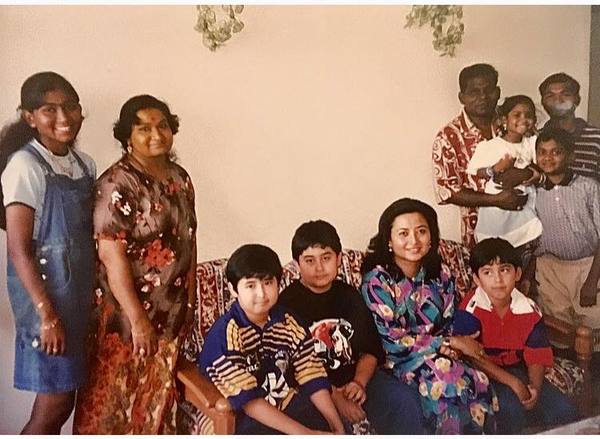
x=145 y=228
x=412 y=299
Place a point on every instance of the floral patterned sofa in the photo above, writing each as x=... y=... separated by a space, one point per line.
x=202 y=409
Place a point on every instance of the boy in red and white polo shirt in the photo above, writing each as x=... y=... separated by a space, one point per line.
x=510 y=328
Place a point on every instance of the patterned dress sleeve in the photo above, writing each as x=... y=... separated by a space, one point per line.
x=115 y=205
x=226 y=366
x=447 y=177
x=403 y=343
x=190 y=192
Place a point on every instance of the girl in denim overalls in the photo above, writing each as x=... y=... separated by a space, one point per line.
x=46 y=188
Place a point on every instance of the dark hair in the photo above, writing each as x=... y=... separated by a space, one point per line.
x=493 y=250
x=560 y=78
x=315 y=233
x=252 y=260
x=378 y=251
x=128 y=117
x=16 y=134
x=512 y=101
x=476 y=71
x=560 y=136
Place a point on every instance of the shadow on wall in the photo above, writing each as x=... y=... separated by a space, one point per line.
x=594 y=94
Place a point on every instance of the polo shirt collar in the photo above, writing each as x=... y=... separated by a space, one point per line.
x=568 y=178
x=275 y=315
x=519 y=303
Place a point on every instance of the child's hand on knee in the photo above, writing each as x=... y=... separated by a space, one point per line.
x=521 y=390
x=531 y=402
x=347 y=408
x=354 y=392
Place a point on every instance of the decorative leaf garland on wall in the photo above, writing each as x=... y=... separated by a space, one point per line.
x=446 y=22
x=215 y=31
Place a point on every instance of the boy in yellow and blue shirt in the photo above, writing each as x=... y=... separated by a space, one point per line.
x=262 y=359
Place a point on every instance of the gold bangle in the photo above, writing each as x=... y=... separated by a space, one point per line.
x=50 y=325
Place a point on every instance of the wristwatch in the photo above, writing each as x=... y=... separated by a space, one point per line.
x=489 y=171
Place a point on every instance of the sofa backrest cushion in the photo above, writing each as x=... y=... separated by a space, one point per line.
x=214 y=297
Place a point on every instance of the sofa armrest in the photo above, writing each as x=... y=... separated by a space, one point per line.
x=578 y=338
x=203 y=394
x=559 y=331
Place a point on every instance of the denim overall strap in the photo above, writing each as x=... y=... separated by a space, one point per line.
x=56 y=227
x=46 y=166
x=82 y=165
x=64 y=253
x=43 y=163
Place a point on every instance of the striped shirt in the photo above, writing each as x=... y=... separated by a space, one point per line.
x=570 y=216
x=586 y=142
x=246 y=362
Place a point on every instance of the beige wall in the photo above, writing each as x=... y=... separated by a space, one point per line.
x=311 y=112
x=594 y=90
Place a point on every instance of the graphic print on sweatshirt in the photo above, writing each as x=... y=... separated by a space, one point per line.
x=331 y=339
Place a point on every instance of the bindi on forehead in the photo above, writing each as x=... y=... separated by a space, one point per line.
x=149 y=119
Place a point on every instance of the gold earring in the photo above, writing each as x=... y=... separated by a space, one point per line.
x=129 y=149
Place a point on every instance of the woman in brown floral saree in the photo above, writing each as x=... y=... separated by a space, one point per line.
x=145 y=227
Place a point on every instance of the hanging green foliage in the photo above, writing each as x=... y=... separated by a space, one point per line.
x=446 y=22
x=215 y=31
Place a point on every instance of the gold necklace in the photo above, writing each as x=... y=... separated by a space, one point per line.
x=67 y=170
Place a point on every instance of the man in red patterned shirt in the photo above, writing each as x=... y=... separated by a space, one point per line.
x=455 y=144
